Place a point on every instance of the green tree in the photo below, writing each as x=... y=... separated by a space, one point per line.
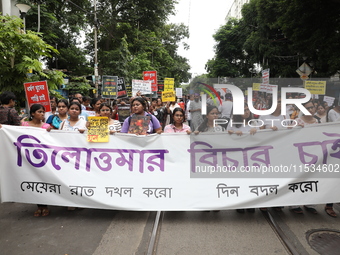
x=61 y=24
x=313 y=28
x=19 y=53
x=138 y=29
x=230 y=57
x=132 y=37
x=280 y=35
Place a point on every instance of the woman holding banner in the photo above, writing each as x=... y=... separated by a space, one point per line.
x=305 y=121
x=177 y=125
x=37 y=116
x=57 y=119
x=208 y=124
x=139 y=109
x=74 y=123
x=240 y=129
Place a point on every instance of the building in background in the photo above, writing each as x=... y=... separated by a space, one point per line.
x=8 y=7
x=235 y=9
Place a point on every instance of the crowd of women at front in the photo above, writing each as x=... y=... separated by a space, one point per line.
x=170 y=117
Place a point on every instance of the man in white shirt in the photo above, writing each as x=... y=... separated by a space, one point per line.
x=226 y=107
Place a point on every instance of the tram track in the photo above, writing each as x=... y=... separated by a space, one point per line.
x=283 y=236
x=290 y=248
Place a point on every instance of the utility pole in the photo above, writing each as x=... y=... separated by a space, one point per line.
x=95 y=48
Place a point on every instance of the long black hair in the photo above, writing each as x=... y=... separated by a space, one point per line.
x=177 y=109
x=34 y=108
x=75 y=103
x=204 y=126
x=142 y=101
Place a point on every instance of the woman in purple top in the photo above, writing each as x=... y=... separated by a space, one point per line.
x=177 y=125
x=139 y=107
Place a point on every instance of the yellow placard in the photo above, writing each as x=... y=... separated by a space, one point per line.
x=169 y=84
x=168 y=96
x=256 y=86
x=316 y=87
x=98 y=131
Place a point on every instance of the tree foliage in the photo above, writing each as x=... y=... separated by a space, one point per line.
x=133 y=36
x=280 y=35
x=19 y=53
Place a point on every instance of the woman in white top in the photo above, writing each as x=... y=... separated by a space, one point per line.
x=334 y=114
x=74 y=123
x=321 y=113
x=306 y=120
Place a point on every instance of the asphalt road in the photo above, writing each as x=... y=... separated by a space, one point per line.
x=92 y=231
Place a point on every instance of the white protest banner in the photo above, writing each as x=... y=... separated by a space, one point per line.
x=171 y=172
x=144 y=87
x=270 y=88
x=179 y=93
x=265 y=80
x=329 y=100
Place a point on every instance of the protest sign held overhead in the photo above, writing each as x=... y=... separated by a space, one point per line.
x=316 y=87
x=144 y=87
x=109 y=87
x=169 y=84
x=37 y=93
x=121 y=90
x=151 y=76
x=168 y=96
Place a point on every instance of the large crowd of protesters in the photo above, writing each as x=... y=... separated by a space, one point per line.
x=180 y=116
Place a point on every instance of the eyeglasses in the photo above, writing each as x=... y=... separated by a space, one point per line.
x=179 y=115
x=104 y=110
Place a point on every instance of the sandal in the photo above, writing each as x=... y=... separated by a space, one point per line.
x=37 y=213
x=330 y=211
x=45 y=212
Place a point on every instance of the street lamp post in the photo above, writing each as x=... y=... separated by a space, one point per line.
x=95 y=49
x=23 y=8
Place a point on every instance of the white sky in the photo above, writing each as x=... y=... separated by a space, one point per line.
x=203 y=18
